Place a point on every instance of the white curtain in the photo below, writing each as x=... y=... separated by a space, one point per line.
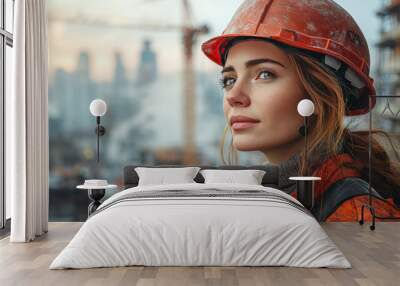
x=27 y=123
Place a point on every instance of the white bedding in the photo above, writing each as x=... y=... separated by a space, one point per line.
x=184 y=231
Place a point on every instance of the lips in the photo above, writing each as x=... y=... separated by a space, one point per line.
x=242 y=118
x=240 y=122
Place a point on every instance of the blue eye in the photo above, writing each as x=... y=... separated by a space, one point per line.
x=265 y=72
x=226 y=82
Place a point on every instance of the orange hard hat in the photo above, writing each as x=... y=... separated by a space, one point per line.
x=319 y=27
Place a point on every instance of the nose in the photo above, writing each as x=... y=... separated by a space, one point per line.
x=238 y=97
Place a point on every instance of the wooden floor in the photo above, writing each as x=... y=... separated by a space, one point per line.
x=375 y=257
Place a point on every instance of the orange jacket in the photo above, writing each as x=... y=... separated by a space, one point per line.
x=350 y=210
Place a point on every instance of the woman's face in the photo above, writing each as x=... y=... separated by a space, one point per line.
x=260 y=82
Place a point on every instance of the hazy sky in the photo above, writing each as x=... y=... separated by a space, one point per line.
x=66 y=41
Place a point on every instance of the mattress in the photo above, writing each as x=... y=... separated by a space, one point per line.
x=198 y=224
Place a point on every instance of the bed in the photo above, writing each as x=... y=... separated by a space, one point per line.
x=201 y=224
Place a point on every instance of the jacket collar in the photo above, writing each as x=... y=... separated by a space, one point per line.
x=290 y=167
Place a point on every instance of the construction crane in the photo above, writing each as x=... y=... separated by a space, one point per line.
x=190 y=32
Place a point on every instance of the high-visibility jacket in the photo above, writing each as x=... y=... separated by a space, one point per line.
x=341 y=193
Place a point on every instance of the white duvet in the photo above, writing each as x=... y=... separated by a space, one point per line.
x=200 y=231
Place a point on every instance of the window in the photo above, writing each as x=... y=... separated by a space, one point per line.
x=6 y=43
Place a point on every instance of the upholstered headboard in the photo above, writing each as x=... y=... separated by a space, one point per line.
x=270 y=178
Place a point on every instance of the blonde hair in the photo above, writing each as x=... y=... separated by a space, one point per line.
x=233 y=156
x=322 y=87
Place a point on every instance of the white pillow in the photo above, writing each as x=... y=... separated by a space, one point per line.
x=249 y=177
x=162 y=176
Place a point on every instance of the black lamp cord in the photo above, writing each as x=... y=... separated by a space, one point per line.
x=98 y=138
x=305 y=146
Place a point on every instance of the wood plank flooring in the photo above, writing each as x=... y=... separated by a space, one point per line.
x=375 y=257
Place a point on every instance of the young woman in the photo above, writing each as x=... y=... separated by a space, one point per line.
x=274 y=53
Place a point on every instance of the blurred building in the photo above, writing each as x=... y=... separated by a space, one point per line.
x=388 y=65
x=147 y=69
x=83 y=94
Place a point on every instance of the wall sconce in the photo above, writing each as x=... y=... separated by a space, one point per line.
x=305 y=184
x=305 y=108
x=98 y=108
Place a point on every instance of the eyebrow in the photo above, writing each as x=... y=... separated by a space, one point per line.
x=251 y=63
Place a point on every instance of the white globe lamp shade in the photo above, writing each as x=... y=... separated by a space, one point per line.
x=98 y=107
x=305 y=107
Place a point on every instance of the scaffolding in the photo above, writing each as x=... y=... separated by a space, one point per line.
x=388 y=64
